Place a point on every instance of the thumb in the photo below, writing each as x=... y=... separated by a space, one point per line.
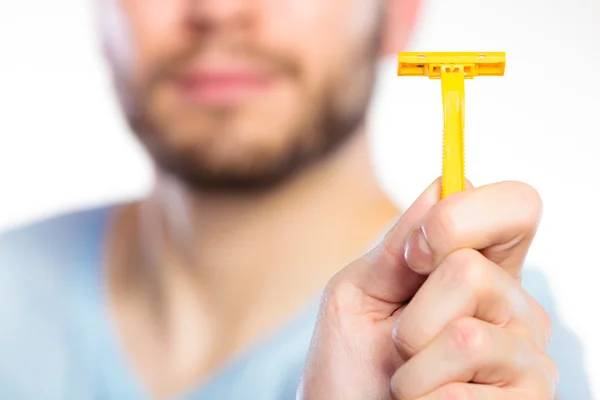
x=383 y=273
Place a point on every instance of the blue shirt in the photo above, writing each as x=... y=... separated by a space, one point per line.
x=57 y=341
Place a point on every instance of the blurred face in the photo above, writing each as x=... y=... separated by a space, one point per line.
x=240 y=94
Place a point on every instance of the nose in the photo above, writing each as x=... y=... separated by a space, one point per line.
x=211 y=15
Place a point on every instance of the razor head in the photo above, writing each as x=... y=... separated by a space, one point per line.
x=431 y=64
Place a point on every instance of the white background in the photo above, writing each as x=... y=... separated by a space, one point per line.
x=64 y=145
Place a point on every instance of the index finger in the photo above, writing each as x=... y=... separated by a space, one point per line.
x=499 y=220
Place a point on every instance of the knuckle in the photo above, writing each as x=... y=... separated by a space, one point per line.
x=551 y=369
x=456 y=391
x=545 y=324
x=342 y=298
x=441 y=225
x=542 y=322
x=338 y=295
x=533 y=359
x=469 y=337
x=531 y=200
x=465 y=266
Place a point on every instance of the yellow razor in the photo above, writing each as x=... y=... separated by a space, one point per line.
x=452 y=69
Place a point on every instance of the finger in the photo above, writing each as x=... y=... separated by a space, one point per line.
x=469 y=391
x=382 y=273
x=500 y=220
x=467 y=284
x=470 y=350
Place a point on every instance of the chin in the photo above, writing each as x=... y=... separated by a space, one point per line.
x=231 y=180
x=230 y=163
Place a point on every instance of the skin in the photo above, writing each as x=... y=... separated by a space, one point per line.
x=378 y=338
x=236 y=236
x=316 y=97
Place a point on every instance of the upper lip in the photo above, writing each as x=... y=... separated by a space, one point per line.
x=224 y=70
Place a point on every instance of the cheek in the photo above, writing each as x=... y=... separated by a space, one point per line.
x=324 y=36
x=157 y=29
x=363 y=19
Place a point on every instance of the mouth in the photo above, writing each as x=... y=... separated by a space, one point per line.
x=224 y=84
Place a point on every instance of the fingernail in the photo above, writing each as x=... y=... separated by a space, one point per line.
x=417 y=252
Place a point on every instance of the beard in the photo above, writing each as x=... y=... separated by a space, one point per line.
x=253 y=167
x=258 y=146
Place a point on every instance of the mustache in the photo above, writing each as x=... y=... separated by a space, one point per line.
x=270 y=60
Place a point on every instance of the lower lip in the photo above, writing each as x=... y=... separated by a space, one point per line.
x=224 y=91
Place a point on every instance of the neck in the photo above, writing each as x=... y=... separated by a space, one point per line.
x=216 y=263
x=319 y=220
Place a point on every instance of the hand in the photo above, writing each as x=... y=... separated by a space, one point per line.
x=436 y=311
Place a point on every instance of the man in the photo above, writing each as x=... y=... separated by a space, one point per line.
x=254 y=112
